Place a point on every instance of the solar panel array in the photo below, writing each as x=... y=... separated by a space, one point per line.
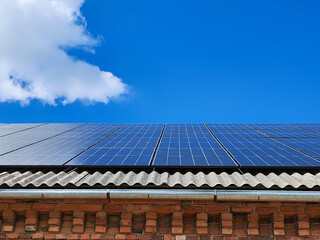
x=161 y=145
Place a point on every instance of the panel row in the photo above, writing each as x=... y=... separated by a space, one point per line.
x=160 y=145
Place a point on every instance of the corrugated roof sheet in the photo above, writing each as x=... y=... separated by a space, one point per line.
x=98 y=179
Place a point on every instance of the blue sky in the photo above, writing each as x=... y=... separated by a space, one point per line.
x=197 y=61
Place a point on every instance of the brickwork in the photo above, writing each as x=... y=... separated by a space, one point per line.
x=158 y=220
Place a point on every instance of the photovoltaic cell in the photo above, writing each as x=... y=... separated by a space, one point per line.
x=132 y=145
x=30 y=136
x=8 y=129
x=59 y=149
x=289 y=133
x=271 y=126
x=226 y=126
x=237 y=133
x=265 y=152
x=190 y=145
x=306 y=125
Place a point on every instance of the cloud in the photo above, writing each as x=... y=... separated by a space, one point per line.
x=33 y=62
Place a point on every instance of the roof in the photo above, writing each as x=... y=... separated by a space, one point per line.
x=242 y=156
x=77 y=178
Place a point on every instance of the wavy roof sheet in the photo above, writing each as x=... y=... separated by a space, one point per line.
x=96 y=179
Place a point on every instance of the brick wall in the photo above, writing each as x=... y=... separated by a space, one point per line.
x=158 y=219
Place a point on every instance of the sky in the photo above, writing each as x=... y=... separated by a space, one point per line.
x=159 y=61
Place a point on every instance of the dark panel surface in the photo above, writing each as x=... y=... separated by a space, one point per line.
x=190 y=145
x=132 y=145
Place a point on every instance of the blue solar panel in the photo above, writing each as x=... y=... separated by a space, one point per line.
x=237 y=133
x=265 y=152
x=289 y=133
x=190 y=145
x=8 y=129
x=306 y=125
x=132 y=145
x=310 y=146
x=272 y=126
x=159 y=145
x=226 y=126
x=59 y=149
x=30 y=136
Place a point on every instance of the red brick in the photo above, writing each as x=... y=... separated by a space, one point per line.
x=54 y=214
x=120 y=237
x=176 y=230
x=54 y=221
x=61 y=236
x=278 y=225
x=303 y=225
x=132 y=237
x=125 y=229
x=66 y=207
x=202 y=231
x=4 y=206
x=42 y=207
x=253 y=232
x=77 y=229
x=7 y=228
x=177 y=222
x=267 y=210
x=49 y=236
x=84 y=236
x=216 y=209
x=226 y=231
x=8 y=214
x=100 y=229
x=79 y=214
x=168 y=237
x=165 y=209
x=13 y=235
x=31 y=214
x=96 y=236
x=226 y=216
x=177 y=215
x=38 y=235
x=202 y=223
x=192 y=209
x=78 y=221
x=242 y=209
x=73 y=237
x=20 y=207
x=31 y=221
x=151 y=215
x=101 y=214
x=150 y=229
x=151 y=223
x=54 y=229
x=278 y=232
x=226 y=224
x=304 y=232
x=202 y=216
x=253 y=217
x=90 y=207
x=101 y=221
x=137 y=208
x=125 y=215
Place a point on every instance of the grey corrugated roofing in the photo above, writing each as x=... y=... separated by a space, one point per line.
x=97 y=179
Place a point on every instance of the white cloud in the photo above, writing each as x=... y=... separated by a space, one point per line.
x=33 y=64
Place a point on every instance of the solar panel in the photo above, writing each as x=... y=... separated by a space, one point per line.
x=59 y=149
x=237 y=133
x=159 y=145
x=275 y=126
x=265 y=152
x=252 y=148
x=289 y=133
x=227 y=126
x=190 y=145
x=132 y=145
x=8 y=129
x=30 y=136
